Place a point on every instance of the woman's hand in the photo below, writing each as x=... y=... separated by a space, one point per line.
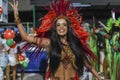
x=14 y=5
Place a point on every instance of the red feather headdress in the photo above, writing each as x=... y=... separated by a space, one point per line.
x=59 y=7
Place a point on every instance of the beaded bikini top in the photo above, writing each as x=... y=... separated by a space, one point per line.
x=68 y=57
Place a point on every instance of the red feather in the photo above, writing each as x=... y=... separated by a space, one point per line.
x=47 y=22
x=59 y=7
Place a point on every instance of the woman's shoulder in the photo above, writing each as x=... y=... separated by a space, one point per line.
x=45 y=42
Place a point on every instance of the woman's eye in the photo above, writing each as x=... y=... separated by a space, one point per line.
x=65 y=24
x=61 y=24
x=57 y=24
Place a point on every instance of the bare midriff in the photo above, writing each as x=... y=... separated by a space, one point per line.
x=67 y=68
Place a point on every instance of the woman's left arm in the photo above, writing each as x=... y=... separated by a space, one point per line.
x=93 y=71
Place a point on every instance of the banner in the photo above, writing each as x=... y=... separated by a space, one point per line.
x=37 y=64
x=4 y=11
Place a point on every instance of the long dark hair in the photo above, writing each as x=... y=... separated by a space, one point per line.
x=56 y=48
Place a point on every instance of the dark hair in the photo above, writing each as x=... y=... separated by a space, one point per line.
x=18 y=50
x=56 y=48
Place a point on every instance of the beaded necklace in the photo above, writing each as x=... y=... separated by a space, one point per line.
x=68 y=56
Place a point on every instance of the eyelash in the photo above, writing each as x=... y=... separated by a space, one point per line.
x=59 y=24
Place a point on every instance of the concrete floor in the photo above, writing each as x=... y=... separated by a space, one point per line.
x=37 y=76
x=28 y=76
x=31 y=76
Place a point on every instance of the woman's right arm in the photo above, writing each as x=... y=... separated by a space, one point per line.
x=17 y=20
x=44 y=42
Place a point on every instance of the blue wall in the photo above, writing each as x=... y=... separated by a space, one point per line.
x=36 y=64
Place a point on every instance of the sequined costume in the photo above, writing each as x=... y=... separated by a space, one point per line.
x=67 y=69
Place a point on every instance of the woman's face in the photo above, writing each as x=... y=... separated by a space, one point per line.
x=61 y=27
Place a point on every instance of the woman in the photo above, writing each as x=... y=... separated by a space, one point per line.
x=64 y=48
x=20 y=65
x=12 y=65
x=3 y=57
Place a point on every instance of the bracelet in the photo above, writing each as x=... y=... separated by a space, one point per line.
x=17 y=21
x=89 y=69
x=35 y=39
x=101 y=32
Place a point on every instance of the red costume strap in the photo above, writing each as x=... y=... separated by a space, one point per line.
x=47 y=76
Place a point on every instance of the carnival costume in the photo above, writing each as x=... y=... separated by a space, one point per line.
x=62 y=9
x=3 y=54
x=3 y=59
x=67 y=69
x=12 y=57
x=115 y=44
x=112 y=48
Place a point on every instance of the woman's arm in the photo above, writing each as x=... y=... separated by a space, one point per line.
x=93 y=71
x=44 y=42
x=24 y=35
